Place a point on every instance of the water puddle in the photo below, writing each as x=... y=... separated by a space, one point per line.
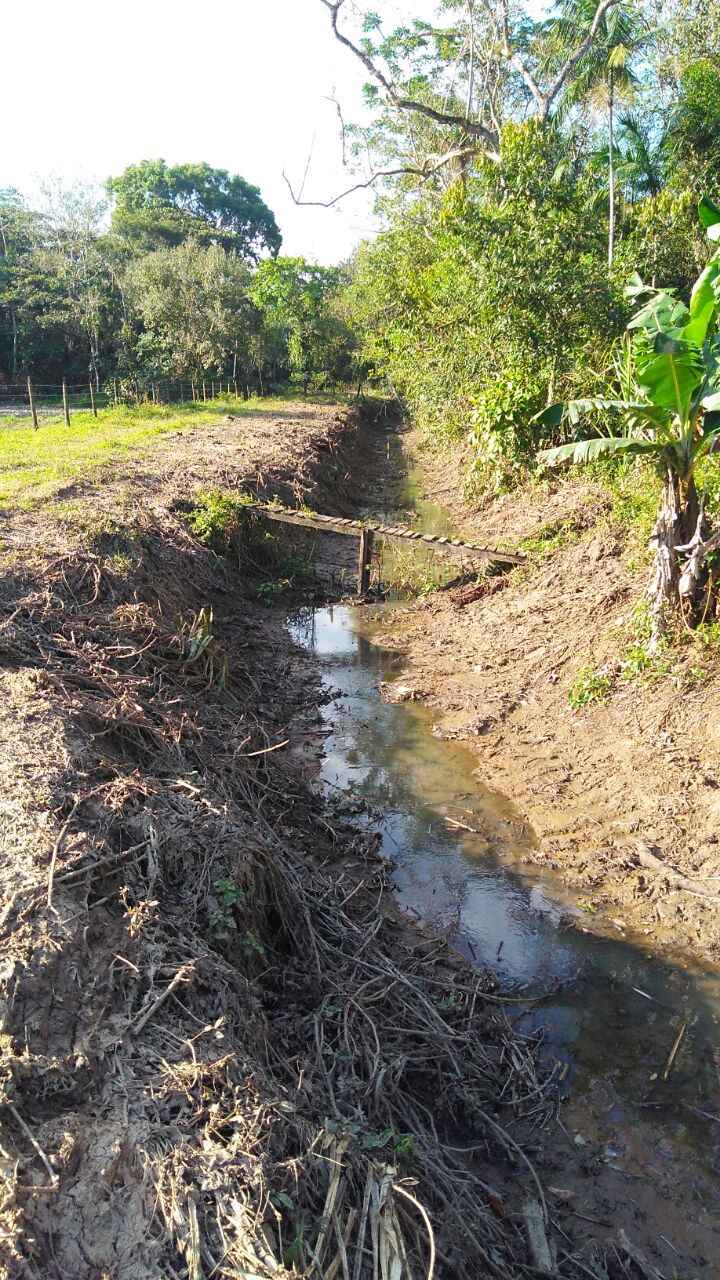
x=459 y=863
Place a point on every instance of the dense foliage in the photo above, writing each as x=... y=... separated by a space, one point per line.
x=537 y=163
x=177 y=277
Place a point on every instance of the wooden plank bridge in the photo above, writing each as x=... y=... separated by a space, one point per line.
x=366 y=531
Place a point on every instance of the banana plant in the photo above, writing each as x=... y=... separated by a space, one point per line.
x=669 y=414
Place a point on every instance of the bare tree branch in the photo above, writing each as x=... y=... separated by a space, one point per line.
x=424 y=171
x=473 y=128
x=487 y=139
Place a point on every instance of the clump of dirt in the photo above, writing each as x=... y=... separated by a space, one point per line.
x=639 y=761
x=220 y=1054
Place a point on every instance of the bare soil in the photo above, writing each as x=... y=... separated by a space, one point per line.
x=644 y=766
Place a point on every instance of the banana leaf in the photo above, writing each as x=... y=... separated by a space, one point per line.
x=704 y=301
x=588 y=450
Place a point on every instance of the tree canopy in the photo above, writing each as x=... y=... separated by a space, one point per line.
x=158 y=204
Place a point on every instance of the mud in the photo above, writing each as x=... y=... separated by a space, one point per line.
x=496 y=671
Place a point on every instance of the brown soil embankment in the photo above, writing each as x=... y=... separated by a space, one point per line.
x=642 y=765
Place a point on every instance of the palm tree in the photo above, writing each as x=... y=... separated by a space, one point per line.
x=605 y=73
x=670 y=414
x=641 y=157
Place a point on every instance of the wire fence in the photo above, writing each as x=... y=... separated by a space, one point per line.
x=36 y=402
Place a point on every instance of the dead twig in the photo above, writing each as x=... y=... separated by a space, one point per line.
x=183 y=975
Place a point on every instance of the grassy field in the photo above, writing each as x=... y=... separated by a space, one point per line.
x=35 y=464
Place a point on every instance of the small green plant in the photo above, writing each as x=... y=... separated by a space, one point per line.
x=120 y=563
x=201 y=648
x=228 y=892
x=251 y=943
x=708 y=635
x=414 y=570
x=217 y=517
x=637 y=661
x=405 y=1146
x=223 y=923
x=694 y=677
x=269 y=591
x=589 y=686
x=548 y=539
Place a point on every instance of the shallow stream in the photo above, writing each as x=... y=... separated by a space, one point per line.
x=460 y=856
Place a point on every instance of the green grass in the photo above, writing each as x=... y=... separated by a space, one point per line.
x=589 y=686
x=550 y=538
x=34 y=465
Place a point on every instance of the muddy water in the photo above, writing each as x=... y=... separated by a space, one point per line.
x=609 y=1011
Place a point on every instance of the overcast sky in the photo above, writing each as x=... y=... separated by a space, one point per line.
x=91 y=86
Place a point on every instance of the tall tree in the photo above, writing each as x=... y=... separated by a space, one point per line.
x=449 y=88
x=604 y=72
x=294 y=298
x=18 y=233
x=194 y=311
x=158 y=204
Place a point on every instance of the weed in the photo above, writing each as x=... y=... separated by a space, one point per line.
x=222 y=918
x=200 y=647
x=405 y=1146
x=269 y=591
x=694 y=677
x=414 y=570
x=120 y=563
x=589 y=686
x=548 y=539
x=636 y=661
x=217 y=517
x=708 y=636
x=251 y=943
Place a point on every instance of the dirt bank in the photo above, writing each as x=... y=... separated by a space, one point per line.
x=221 y=1055
x=641 y=765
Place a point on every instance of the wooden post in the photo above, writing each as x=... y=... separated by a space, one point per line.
x=66 y=405
x=93 y=406
x=365 y=560
x=33 y=410
x=204 y=390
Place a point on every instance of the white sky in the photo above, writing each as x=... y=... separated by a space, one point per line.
x=91 y=86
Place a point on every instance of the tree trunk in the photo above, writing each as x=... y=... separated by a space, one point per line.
x=678 y=584
x=611 y=176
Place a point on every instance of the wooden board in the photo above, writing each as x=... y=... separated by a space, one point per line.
x=354 y=528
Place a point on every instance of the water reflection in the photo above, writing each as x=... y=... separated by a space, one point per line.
x=613 y=1008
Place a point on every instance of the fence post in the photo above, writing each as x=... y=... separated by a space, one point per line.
x=66 y=405
x=93 y=406
x=33 y=410
x=365 y=560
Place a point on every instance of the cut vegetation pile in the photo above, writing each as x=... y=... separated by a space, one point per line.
x=222 y=1054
